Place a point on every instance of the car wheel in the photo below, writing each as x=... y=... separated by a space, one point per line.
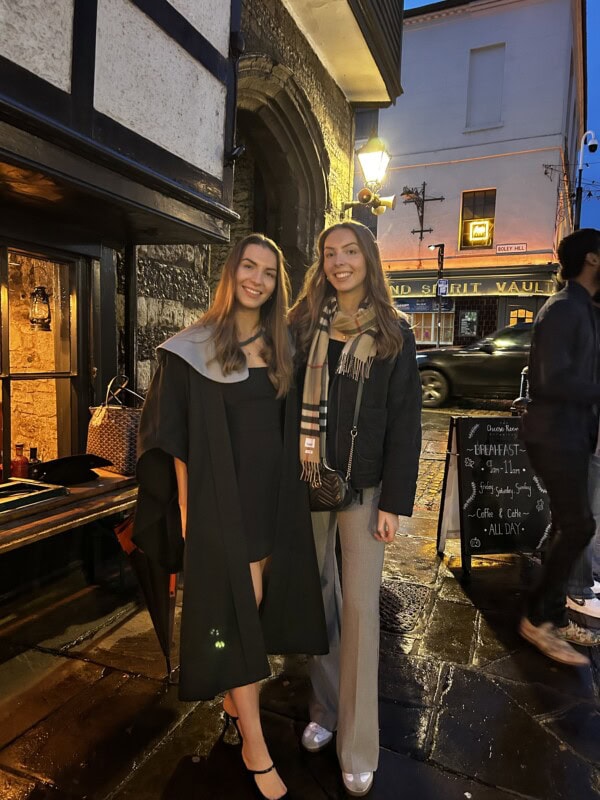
x=435 y=388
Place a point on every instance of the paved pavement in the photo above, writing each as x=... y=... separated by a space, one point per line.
x=467 y=709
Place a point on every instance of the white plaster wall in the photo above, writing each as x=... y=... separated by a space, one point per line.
x=431 y=114
x=425 y=133
x=208 y=17
x=146 y=82
x=525 y=211
x=38 y=36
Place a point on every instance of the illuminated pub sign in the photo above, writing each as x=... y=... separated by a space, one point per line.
x=479 y=232
x=463 y=287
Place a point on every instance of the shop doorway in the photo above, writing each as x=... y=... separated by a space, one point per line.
x=516 y=310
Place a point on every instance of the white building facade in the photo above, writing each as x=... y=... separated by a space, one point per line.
x=490 y=120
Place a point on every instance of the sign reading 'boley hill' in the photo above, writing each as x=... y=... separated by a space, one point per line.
x=462 y=287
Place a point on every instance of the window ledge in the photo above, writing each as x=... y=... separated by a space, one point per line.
x=478 y=128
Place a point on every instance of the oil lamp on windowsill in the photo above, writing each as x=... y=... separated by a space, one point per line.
x=39 y=308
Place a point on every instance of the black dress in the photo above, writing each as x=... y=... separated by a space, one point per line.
x=254 y=417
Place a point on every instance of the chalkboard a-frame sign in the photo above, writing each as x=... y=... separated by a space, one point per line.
x=491 y=497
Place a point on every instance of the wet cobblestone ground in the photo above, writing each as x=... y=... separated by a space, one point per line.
x=467 y=709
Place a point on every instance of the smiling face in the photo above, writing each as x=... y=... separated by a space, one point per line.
x=255 y=277
x=344 y=264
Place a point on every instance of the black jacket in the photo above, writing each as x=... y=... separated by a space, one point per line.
x=564 y=381
x=388 y=445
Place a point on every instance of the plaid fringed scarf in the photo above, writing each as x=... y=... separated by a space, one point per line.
x=355 y=362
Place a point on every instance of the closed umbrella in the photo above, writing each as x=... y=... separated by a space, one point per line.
x=159 y=588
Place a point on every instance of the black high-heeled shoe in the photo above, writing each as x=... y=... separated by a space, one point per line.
x=231 y=720
x=254 y=772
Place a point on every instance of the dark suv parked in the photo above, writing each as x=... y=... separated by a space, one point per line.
x=489 y=368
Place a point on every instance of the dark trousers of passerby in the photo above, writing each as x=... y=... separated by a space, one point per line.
x=565 y=476
x=587 y=569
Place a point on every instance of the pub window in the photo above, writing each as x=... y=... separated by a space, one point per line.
x=425 y=327
x=518 y=315
x=477 y=219
x=38 y=359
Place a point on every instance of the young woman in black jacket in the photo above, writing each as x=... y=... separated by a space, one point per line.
x=347 y=331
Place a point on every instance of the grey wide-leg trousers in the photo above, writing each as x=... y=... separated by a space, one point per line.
x=344 y=682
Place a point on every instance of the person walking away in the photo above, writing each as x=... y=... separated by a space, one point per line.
x=584 y=582
x=560 y=429
x=583 y=588
x=348 y=332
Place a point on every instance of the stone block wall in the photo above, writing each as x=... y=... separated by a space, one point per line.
x=172 y=283
x=319 y=146
x=269 y=28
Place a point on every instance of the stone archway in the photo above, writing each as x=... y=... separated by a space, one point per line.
x=282 y=189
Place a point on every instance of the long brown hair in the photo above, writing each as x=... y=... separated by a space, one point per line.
x=220 y=316
x=306 y=311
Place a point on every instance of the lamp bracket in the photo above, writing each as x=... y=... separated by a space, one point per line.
x=417 y=196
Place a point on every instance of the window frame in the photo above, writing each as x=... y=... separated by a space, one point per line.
x=470 y=125
x=526 y=315
x=433 y=326
x=78 y=386
x=461 y=220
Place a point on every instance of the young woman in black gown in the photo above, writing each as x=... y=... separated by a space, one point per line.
x=218 y=440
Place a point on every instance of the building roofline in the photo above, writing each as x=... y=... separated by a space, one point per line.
x=439 y=6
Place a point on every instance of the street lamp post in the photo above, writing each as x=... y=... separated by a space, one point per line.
x=589 y=138
x=440 y=274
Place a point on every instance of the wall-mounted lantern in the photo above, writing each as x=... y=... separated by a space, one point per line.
x=39 y=308
x=374 y=160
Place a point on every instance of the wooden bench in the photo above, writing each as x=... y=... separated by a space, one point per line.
x=88 y=502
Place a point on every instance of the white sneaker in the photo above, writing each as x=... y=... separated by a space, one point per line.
x=591 y=606
x=548 y=641
x=596 y=587
x=315 y=737
x=358 y=784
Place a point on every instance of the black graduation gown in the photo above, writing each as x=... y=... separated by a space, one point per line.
x=224 y=640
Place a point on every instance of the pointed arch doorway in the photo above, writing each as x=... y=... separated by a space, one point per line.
x=280 y=186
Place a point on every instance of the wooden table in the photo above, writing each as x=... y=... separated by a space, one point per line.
x=110 y=494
